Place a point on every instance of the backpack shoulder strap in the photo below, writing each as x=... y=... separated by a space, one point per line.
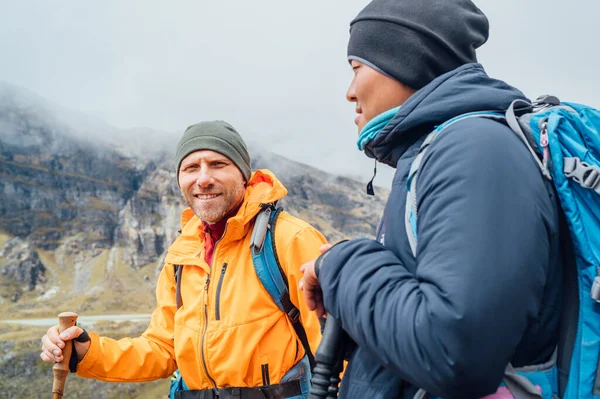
x=271 y=274
x=410 y=212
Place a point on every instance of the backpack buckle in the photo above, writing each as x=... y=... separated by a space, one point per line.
x=547 y=99
x=261 y=225
x=294 y=314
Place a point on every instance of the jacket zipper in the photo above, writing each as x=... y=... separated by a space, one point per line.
x=206 y=312
x=219 y=285
x=204 y=332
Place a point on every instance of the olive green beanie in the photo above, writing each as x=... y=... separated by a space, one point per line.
x=217 y=136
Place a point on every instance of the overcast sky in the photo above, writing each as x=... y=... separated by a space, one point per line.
x=275 y=69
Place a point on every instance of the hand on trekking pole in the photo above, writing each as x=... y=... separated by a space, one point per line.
x=310 y=285
x=53 y=343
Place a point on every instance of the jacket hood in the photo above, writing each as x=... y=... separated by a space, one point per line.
x=465 y=89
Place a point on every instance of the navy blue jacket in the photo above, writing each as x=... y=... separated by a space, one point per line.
x=485 y=287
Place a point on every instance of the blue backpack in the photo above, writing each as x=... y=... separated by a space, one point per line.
x=274 y=280
x=564 y=139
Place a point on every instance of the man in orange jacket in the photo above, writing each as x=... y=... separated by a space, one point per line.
x=227 y=332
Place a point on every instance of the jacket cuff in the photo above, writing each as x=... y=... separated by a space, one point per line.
x=322 y=257
x=90 y=357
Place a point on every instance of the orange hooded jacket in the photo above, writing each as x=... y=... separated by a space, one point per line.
x=228 y=327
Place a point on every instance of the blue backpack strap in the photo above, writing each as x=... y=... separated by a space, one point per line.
x=410 y=212
x=271 y=275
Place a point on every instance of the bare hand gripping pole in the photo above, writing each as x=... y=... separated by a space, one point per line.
x=65 y=320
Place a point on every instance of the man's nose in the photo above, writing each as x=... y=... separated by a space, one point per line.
x=205 y=178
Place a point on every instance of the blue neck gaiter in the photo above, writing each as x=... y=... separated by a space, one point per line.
x=374 y=126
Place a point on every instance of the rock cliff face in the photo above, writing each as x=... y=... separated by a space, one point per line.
x=84 y=218
x=22 y=266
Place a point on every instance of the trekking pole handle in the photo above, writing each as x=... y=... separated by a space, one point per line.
x=61 y=370
x=328 y=360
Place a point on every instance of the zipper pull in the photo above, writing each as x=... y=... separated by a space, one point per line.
x=207 y=282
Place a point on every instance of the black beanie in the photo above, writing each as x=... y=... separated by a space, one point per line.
x=415 y=41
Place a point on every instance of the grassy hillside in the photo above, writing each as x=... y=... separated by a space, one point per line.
x=24 y=375
x=81 y=287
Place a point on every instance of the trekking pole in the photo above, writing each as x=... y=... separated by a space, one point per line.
x=329 y=358
x=65 y=320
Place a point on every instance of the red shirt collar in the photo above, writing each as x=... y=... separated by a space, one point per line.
x=215 y=230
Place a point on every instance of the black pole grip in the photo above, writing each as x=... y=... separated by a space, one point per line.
x=329 y=357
